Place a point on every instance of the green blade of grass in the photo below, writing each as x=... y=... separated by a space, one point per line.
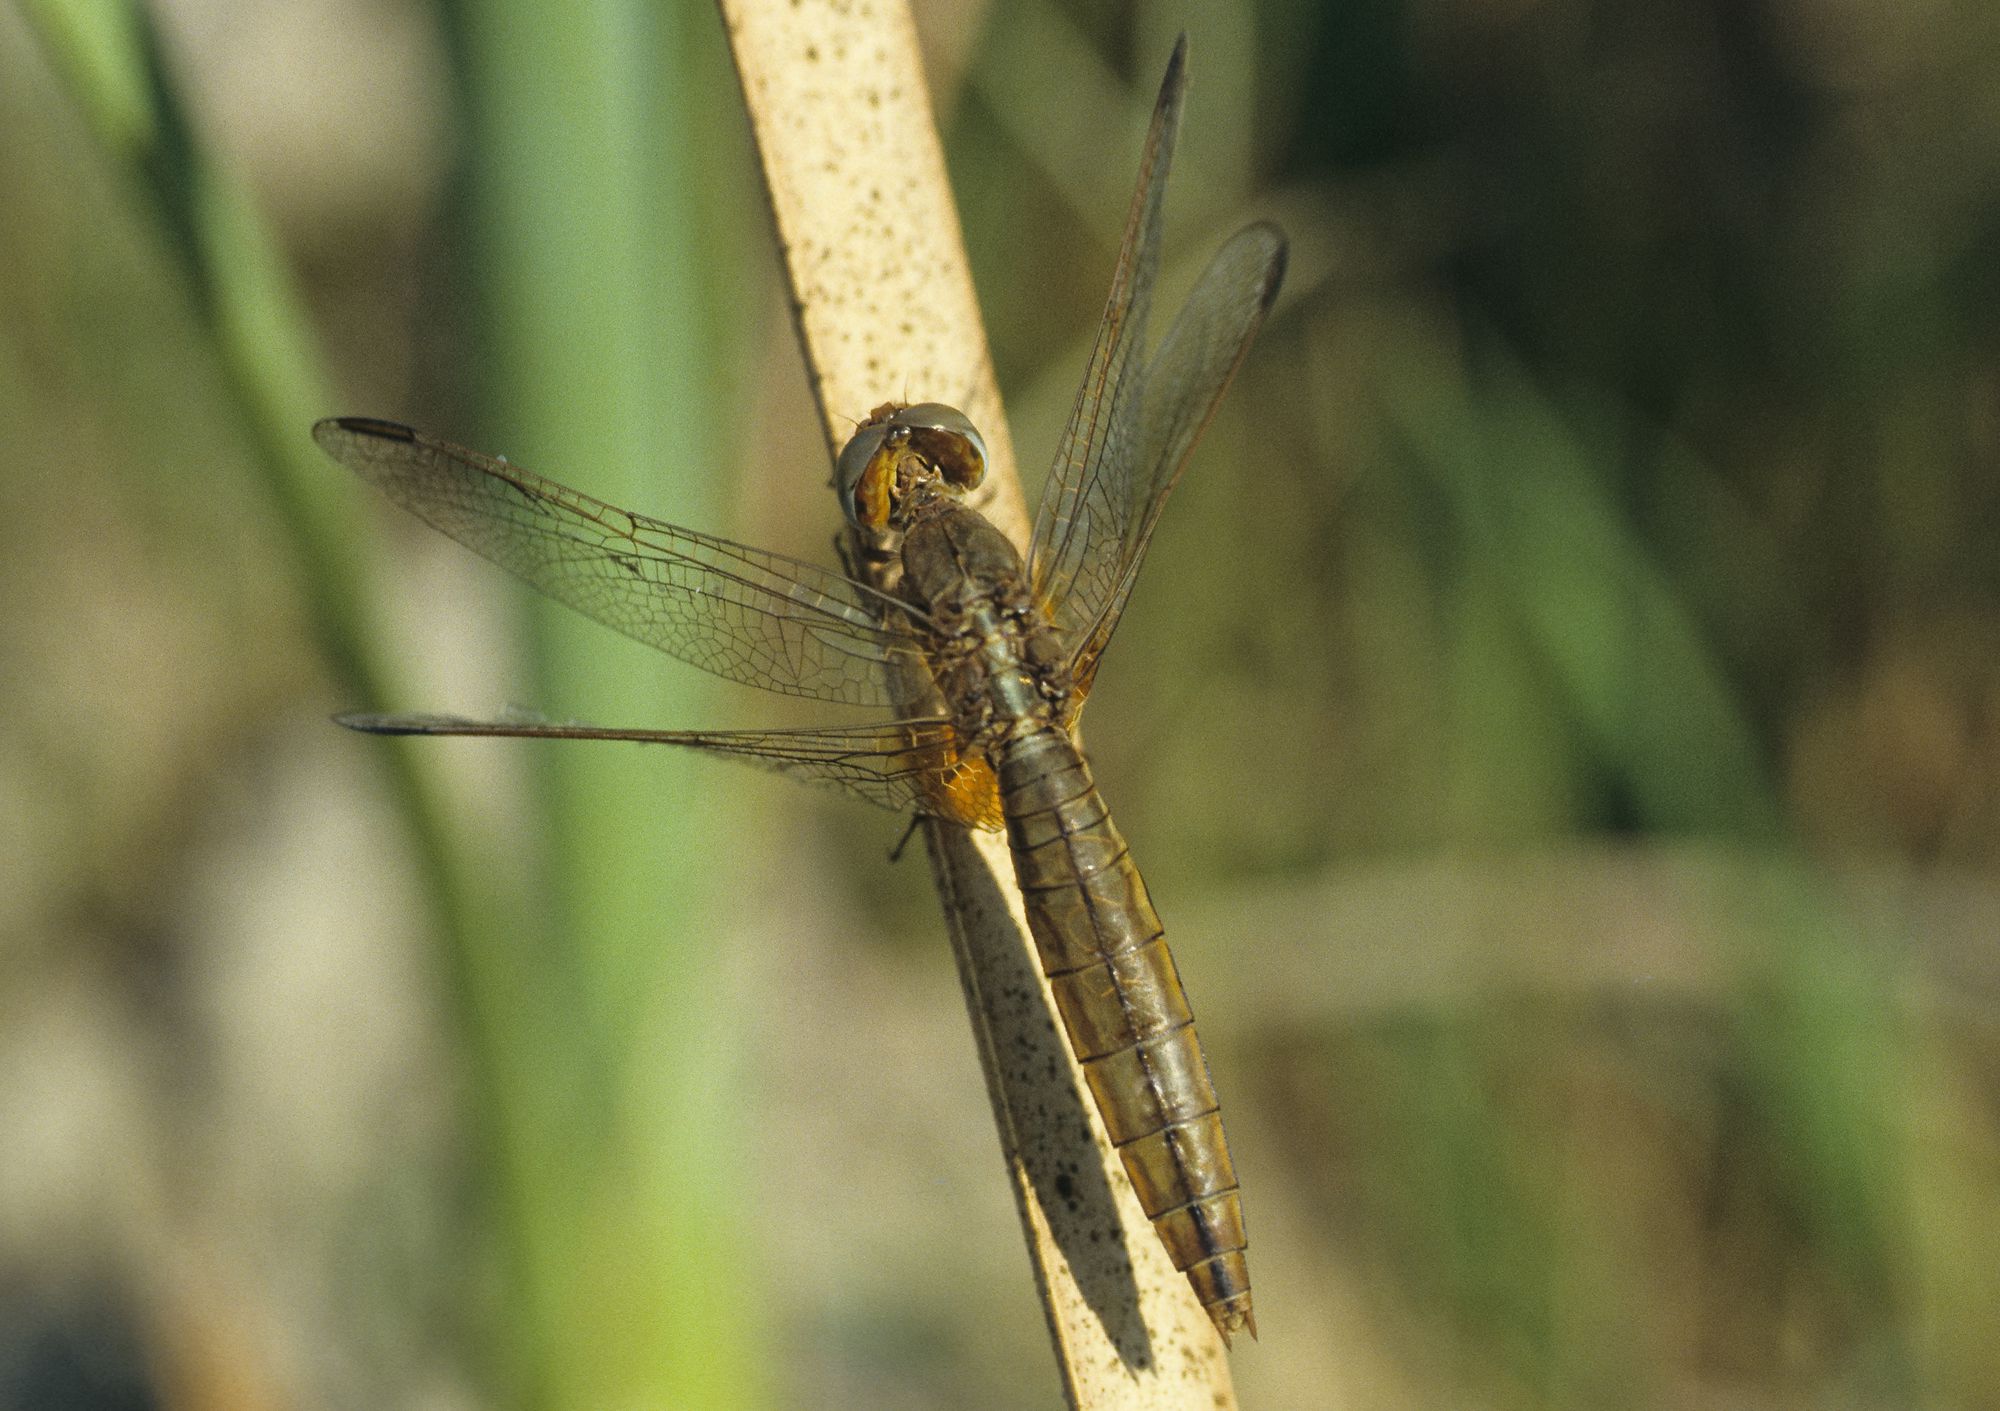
x=589 y=188
x=559 y=1306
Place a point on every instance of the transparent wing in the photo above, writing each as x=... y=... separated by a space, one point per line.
x=1181 y=388
x=742 y=613
x=907 y=766
x=1087 y=503
x=1135 y=421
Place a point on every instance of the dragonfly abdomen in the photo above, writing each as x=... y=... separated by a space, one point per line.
x=1105 y=953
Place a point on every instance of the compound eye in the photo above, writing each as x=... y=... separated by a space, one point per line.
x=866 y=472
x=946 y=437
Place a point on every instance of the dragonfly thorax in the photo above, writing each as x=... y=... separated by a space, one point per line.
x=995 y=656
x=901 y=456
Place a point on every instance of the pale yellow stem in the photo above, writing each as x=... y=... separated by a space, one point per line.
x=887 y=312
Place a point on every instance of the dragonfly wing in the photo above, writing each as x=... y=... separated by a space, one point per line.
x=739 y=612
x=1087 y=505
x=1182 y=386
x=906 y=766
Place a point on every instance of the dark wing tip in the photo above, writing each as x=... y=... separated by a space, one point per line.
x=386 y=724
x=1174 y=85
x=1280 y=256
x=1263 y=245
x=326 y=430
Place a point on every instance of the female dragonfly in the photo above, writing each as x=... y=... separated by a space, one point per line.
x=988 y=661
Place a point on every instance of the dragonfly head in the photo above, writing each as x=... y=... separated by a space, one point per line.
x=899 y=450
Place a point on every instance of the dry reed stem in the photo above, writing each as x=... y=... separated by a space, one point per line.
x=886 y=311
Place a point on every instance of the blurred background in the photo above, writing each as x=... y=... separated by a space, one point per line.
x=1560 y=721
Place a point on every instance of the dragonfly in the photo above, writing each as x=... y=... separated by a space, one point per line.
x=983 y=661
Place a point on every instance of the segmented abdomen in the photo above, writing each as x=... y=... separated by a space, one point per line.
x=1105 y=953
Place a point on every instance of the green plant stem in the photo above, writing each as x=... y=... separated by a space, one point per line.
x=243 y=298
